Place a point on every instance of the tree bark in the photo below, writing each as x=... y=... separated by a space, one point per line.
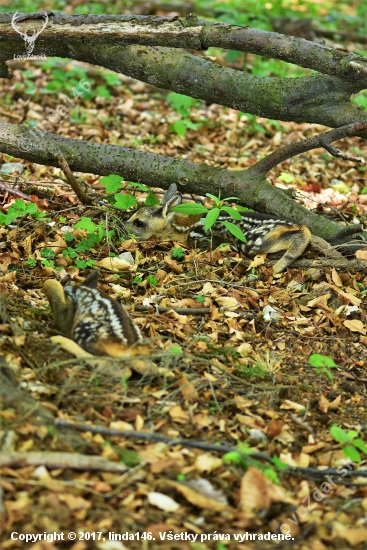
x=320 y=99
x=157 y=170
x=191 y=33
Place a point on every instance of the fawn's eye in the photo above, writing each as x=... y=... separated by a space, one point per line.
x=138 y=223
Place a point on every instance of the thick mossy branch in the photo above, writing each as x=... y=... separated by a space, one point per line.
x=322 y=140
x=317 y=99
x=160 y=171
x=191 y=33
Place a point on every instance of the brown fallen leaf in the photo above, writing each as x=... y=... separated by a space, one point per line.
x=172 y=264
x=355 y=326
x=201 y=498
x=325 y=405
x=207 y=463
x=336 y=278
x=354 y=535
x=258 y=492
x=361 y=254
x=287 y=404
x=274 y=428
x=179 y=415
x=116 y=264
x=187 y=389
x=320 y=300
x=347 y=296
x=258 y=260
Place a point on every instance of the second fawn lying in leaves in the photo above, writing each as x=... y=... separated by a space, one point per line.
x=97 y=323
x=264 y=233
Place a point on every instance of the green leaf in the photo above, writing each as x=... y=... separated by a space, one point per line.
x=360 y=445
x=235 y=230
x=339 y=434
x=287 y=178
x=180 y=103
x=211 y=218
x=151 y=200
x=102 y=91
x=87 y=224
x=270 y=474
x=31 y=261
x=140 y=186
x=113 y=182
x=47 y=253
x=177 y=252
x=279 y=464
x=232 y=55
x=214 y=198
x=179 y=127
x=125 y=201
x=232 y=212
x=244 y=209
x=317 y=360
x=152 y=280
x=352 y=453
x=192 y=208
x=175 y=350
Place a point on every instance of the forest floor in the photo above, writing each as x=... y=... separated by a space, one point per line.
x=227 y=375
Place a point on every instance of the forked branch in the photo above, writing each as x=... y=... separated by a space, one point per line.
x=322 y=140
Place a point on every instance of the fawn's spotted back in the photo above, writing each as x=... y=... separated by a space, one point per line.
x=97 y=323
x=264 y=233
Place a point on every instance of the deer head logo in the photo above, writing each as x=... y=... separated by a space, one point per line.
x=29 y=40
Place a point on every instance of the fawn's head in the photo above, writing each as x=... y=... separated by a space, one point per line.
x=160 y=222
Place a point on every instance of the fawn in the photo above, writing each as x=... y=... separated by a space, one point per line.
x=264 y=233
x=97 y=323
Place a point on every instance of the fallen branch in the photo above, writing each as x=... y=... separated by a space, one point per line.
x=12 y=191
x=158 y=170
x=321 y=140
x=189 y=32
x=80 y=193
x=350 y=265
x=180 y=310
x=54 y=461
x=312 y=473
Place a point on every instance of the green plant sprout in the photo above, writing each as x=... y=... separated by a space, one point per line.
x=178 y=253
x=183 y=104
x=114 y=183
x=212 y=215
x=322 y=364
x=349 y=442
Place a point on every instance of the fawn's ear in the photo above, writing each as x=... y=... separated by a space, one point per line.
x=62 y=306
x=171 y=192
x=174 y=201
x=170 y=199
x=92 y=280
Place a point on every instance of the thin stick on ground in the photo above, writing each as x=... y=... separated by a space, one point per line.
x=309 y=473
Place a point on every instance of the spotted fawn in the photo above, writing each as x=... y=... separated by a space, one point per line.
x=97 y=323
x=265 y=234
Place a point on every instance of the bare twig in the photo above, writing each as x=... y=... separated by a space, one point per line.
x=14 y=192
x=180 y=310
x=54 y=461
x=321 y=140
x=80 y=193
x=312 y=473
x=351 y=265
